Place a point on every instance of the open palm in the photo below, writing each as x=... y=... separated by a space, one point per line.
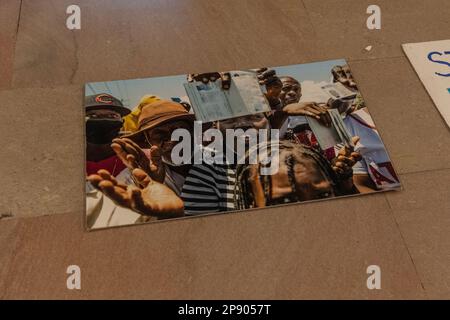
x=150 y=198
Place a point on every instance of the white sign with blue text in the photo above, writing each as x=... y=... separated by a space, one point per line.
x=431 y=60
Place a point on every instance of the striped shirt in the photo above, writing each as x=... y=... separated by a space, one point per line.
x=209 y=188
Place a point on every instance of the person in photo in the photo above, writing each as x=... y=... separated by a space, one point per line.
x=150 y=147
x=210 y=187
x=104 y=120
x=147 y=154
x=304 y=175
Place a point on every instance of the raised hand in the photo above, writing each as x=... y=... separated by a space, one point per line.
x=211 y=77
x=269 y=79
x=151 y=198
x=345 y=160
x=343 y=164
x=116 y=191
x=134 y=157
x=343 y=75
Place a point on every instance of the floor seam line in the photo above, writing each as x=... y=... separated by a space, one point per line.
x=423 y=171
x=391 y=211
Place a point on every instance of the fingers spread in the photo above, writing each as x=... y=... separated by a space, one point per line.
x=124 y=156
x=132 y=143
x=122 y=186
x=155 y=157
x=119 y=150
x=120 y=142
x=129 y=148
x=142 y=177
x=106 y=186
x=104 y=180
x=115 y=193
x=138 y=203
x=107 y=176
x=132 y=161
x=94 y=179
x=155 y=153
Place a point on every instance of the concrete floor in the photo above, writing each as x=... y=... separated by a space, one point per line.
x=317 y=250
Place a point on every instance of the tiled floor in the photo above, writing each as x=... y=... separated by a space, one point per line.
x=316 y=250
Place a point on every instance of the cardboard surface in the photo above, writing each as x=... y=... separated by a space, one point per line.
x=424 y=221
x=142 y=39
x=8 y=240
x=44 y=158
x=9 y=15
x=291 y=252
x=340 y=26
x=316 y=250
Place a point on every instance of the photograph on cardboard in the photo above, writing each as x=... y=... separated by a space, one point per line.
x=218 y=142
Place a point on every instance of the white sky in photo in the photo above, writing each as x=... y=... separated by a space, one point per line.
x=311 y=76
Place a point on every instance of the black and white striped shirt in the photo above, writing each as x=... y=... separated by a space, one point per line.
x=209 y=188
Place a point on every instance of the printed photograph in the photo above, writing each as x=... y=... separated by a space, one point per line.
x=219 y=142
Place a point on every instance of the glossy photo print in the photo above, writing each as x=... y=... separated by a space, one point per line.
x=217 y=142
